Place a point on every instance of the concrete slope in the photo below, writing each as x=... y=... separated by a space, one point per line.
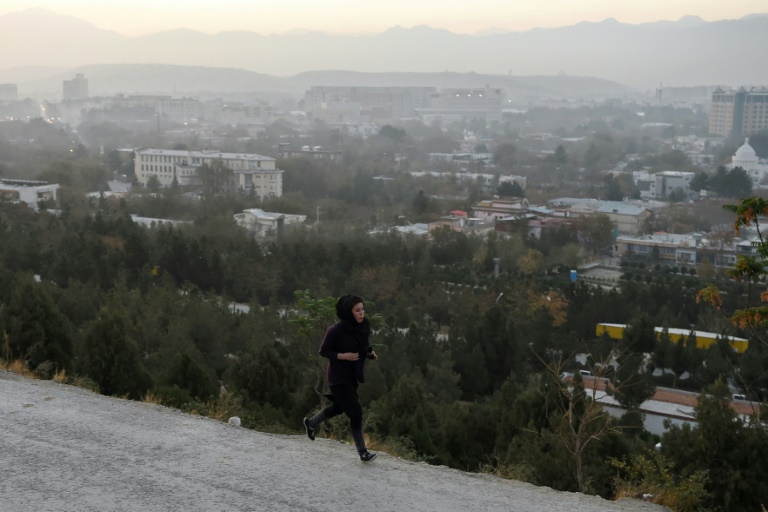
x=66 y=449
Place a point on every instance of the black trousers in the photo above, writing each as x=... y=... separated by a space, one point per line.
x=345 y=401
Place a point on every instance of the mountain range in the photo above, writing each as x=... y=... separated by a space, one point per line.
x=686 y=52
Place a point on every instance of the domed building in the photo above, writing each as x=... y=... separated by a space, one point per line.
x=746 y=158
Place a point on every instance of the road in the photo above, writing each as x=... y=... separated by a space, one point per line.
x=65 y=449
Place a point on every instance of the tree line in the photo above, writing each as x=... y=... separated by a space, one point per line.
x=465 y=376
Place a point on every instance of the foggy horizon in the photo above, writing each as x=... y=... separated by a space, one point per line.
x=213 y=18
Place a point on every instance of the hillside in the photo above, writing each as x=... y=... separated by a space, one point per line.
x=211 y=82
x=65 y=448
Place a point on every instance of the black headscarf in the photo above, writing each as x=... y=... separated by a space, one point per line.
x=360 y=330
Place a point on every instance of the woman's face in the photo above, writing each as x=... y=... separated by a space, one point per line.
x=358 y=311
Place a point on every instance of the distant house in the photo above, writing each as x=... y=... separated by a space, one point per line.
x=458 y=220
x=30 y=192
x=670 y=247
x=496 y=209
x=453 y=221
x=685 y=249
x=149 y=222
x=284 y=150
x=418 y=229
x=267 y=224
x=668 y=182
x=628 y=218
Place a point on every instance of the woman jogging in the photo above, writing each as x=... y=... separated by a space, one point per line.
x=346 y=345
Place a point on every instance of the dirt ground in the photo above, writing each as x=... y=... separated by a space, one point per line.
x=65 y=449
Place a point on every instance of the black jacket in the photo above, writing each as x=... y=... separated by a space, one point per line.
x=344 y=337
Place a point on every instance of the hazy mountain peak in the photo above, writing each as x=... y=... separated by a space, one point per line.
x=713 y=51
x=684 y=22
x=753 y=16
x=39 y=18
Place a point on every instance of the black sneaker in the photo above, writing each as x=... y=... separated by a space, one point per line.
x=367 y=456
x=310 y=430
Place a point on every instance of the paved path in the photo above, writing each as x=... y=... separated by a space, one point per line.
x=65 y=449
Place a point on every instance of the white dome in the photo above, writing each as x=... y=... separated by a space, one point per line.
x=745 y=153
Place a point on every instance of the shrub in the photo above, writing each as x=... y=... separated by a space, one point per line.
x=653 y=477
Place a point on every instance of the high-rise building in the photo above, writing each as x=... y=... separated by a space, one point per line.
x=385 y=102
x=738 y=113
x=75 y=89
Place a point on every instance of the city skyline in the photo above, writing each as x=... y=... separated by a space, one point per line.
x=142 y=17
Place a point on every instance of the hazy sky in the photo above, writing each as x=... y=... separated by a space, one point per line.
x=140 y=17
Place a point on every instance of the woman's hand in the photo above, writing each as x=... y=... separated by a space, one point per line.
x=372 y=355
x=348 y=356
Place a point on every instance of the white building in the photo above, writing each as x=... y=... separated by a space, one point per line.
x=746 y=158
x=250 y=172
x=628 y=218
x=663 y=183
x=491 y=210
x=668 y=182
x=646 y=183
x=266 y=224
x=29 y=192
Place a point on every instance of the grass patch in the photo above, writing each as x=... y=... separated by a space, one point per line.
x=18 y=367
x=152 y=398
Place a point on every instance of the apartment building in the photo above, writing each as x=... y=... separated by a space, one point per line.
x=457 y=104
x=251 y=173
x=175 y=109
x=742 y=112
x=685 y=249
x=329 y=102
x=75 y=89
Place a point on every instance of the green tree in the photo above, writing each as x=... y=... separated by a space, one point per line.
x=37 y=331
x=264 y=376
x=420 y=203
x=214 y=177
x=510 y=189
x=406 y=413
x=153 y=184
x=188 y=376
x=700 y=181
x=561 y=157
x=396 y=135
x=633 y=380
x=592 y=157
x=640 y=336
x=505 y=155
x=734 y=183
x=748 y=269
x=596 y=232
x=652 y=474
x=112 y=359
x=612 y=191
x=579 y=420
x=724 y=445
